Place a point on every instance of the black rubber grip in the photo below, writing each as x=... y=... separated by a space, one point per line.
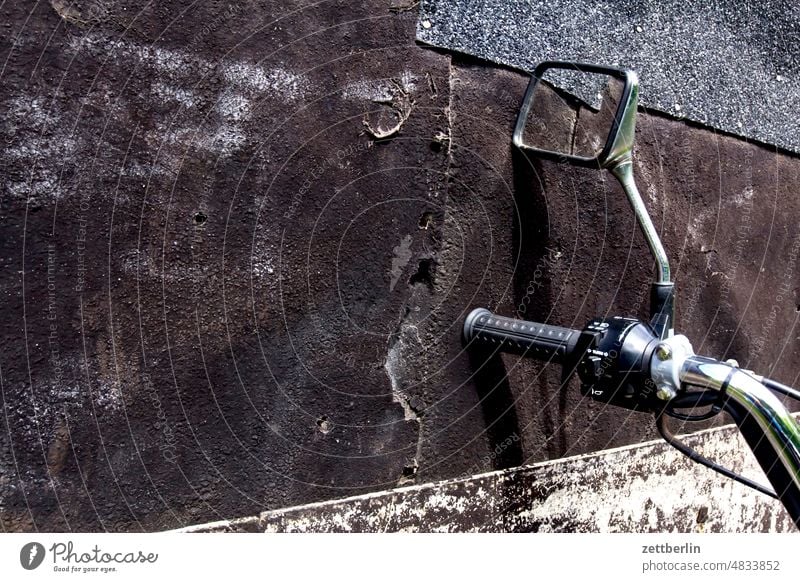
x=536 y=340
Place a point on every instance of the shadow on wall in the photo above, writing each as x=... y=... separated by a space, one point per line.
x=498 y=406
x=532 y=288
x=531 y=291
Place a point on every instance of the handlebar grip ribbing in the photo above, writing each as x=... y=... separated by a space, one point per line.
x=537 y=340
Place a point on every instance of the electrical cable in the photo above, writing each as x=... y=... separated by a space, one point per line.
x=695 y=400
x=782 y=388
x=665 y=433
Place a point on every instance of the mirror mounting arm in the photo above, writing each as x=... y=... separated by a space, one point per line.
x=662 y=291
x=623 y=171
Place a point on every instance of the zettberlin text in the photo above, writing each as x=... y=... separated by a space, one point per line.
x=671 y=549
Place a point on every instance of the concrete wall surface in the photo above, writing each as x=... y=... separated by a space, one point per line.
x=238 y=241
x=642 y=488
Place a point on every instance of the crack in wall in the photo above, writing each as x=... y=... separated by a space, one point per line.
x=450 y=115
x=405 y=343
x=395 y=371
x=393 y=367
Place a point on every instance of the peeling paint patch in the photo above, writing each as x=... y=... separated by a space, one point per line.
x=402 y=256
x=81 y=12
x=400 y=105
x=393 y=369
x=404 y=347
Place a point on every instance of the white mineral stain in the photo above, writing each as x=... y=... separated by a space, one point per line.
x=743 y=197
x=276 y=81
x=167 y=92
x=380 y=90
x=40 y=131
x=367 y=91
x=263 y=267
x=234 y=106
x=40 y=138
x=177 y=73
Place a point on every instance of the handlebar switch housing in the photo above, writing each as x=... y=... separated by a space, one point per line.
x=617 y=369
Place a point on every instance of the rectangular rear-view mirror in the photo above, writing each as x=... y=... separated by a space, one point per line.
x=578 y=113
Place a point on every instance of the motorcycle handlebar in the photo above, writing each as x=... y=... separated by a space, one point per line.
x=537 y=340
x=767 y=426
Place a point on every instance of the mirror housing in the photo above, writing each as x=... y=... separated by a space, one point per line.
x=619 y=142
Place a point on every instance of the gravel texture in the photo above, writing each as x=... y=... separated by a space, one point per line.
x=728 y=65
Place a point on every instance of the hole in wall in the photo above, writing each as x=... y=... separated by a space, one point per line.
x=200 y=218
x=424 y=274
x=426 y=220
x=324 y=425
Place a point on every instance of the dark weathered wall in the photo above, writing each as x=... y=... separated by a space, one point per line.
x=222 y=294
